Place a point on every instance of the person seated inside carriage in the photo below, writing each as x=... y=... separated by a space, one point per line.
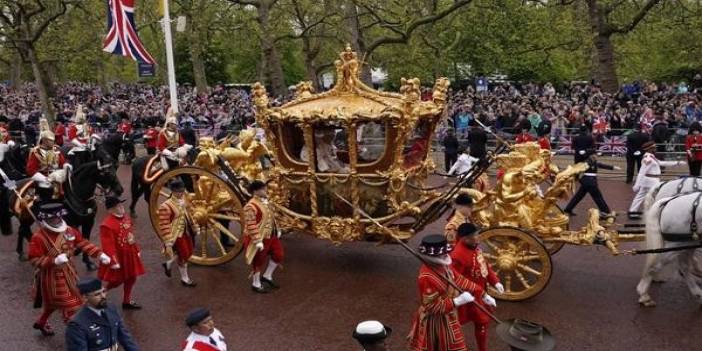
x=327 y=160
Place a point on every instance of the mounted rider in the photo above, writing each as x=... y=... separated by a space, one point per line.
x=82 y=138
x=45 y=163
x=171 y=144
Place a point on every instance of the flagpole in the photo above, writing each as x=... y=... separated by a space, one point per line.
x=166 y=23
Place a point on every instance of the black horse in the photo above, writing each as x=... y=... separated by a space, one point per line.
x=140 y=187
x=13 y=167
x=78 y=196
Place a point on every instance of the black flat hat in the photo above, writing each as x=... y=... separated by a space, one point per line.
x=467 y=229
x=112 y=201
x=88 y=285
x=196 y=316
x=434 y=245
x=463 y=199
x=525 y=335
x=51 y=210
x=176 y=185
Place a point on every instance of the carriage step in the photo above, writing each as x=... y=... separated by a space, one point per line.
x=634 y=225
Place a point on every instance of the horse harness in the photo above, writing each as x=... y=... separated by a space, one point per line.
x=695 y=186
x=694 y=227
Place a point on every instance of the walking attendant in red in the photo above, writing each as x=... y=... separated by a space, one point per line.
x=436 y=326
x=50 y=251
x=261 y=239
x=468 y=260
x=118 y=242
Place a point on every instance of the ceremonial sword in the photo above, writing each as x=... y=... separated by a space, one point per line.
x=418 y=256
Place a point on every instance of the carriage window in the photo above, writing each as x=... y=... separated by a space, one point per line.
x=331 y=149
x=417 y=144
x=371 y=141
x=293 y=141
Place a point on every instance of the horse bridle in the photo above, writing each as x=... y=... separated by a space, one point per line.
x=103 y=191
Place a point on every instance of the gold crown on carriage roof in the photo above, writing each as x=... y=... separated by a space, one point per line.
x=351 y=99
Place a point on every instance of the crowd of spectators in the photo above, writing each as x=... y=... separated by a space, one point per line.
x=221 y=107
x=506 y=107
x=509 y=108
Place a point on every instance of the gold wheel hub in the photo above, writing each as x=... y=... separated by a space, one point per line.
x=506 y=262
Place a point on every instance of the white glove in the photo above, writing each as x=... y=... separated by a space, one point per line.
x=68 y=167
x=500 y=288
x=11 y=143
x=259 y=246
x=104 y=259
x=77 y=143
x=464 y=298
x=57 y=176
x=489 y=300
x=61 y=259
x=115 y=266
x=279 y=233
x=167 y=153
x=40 y=178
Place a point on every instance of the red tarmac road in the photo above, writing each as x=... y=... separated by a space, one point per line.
x=590 y=303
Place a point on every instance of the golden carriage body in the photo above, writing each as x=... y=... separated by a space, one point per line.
x=316 y=151
x=320 y=151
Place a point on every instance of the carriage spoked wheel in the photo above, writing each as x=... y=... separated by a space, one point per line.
x=210 y=203
x=554 y=247
x=519 y=259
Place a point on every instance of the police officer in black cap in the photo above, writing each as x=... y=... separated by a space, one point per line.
x=97 y=326
x=634 y=152
x=371 y=335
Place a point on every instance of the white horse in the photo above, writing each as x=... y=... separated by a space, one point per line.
x=673 y=187
x=670 y=223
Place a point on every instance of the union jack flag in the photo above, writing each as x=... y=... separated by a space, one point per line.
x=121 y=36
x=564 y=145
x=613 y=145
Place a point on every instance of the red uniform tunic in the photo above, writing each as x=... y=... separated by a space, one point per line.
x=197 y=342
x=172 y=223
x=44 y=161
x=260 y=227
x=118 y=242
x=82 y=136
x=150 y=138
x=523 y=138
x=544 y=143
x=435 y=326
x=471 y=264
x=59 y=132
x=125 y=128
x=166 y=142
x=693 y=144
x=57 y=284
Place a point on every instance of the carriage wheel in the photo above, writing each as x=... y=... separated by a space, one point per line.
x=210 y=202
x=519 y=259
x=554 y=247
